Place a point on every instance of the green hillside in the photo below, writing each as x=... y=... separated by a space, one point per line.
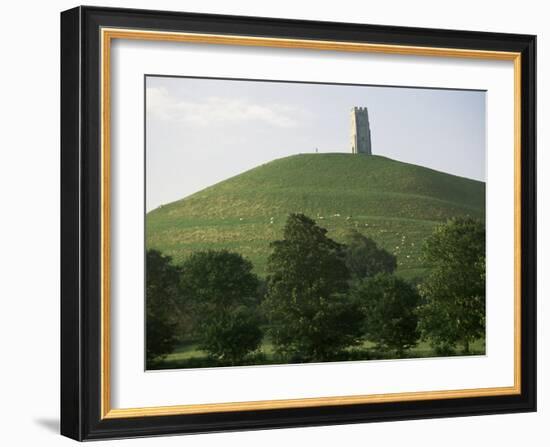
x=395 y=203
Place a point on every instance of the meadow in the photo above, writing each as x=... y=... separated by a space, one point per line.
x=397 y=204
x=188 y=355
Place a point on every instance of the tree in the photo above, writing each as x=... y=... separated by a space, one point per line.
x=163 y=305
x=223 y=290
x=231 y=335
x=389 y=305
x=365 y=259
x=311 y=316
x=454 y=292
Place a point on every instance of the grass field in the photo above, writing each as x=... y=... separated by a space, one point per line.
x=397 y=204
x=188 y=355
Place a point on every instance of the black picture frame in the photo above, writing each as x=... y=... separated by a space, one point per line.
x=81 y=392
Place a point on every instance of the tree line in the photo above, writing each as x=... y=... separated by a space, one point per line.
x=320 y=298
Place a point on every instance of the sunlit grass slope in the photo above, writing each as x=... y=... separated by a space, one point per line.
x=395 y=203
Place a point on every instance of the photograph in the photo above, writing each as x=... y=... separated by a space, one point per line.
x=276 y=222
x=296 y=222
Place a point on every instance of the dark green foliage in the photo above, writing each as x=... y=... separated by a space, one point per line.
x=454 y=291
x=163 y=305
x=223 y=291
x=389 y=305
x=364 y=258
x=322 y=301
x=311 y=316
x=231 y=336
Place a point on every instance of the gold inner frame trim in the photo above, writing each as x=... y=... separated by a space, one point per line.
x=107 y=35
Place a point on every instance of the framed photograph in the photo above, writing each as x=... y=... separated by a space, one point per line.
x=276 y=223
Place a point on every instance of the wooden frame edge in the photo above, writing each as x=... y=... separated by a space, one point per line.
x=306 y=402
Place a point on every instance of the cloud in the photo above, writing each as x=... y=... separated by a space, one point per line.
x=219 y=110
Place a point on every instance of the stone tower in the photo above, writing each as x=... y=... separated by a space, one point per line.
x=360 y=131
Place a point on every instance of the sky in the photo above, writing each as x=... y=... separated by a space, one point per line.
x=202 y=131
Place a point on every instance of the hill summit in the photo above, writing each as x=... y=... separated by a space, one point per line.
x=395 y=203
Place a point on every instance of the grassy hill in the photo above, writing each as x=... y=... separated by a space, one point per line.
x=395 y=203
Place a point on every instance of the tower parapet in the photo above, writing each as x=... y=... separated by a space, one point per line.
x=360 y=131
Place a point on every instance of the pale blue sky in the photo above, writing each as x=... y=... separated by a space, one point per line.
x=202 y=131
